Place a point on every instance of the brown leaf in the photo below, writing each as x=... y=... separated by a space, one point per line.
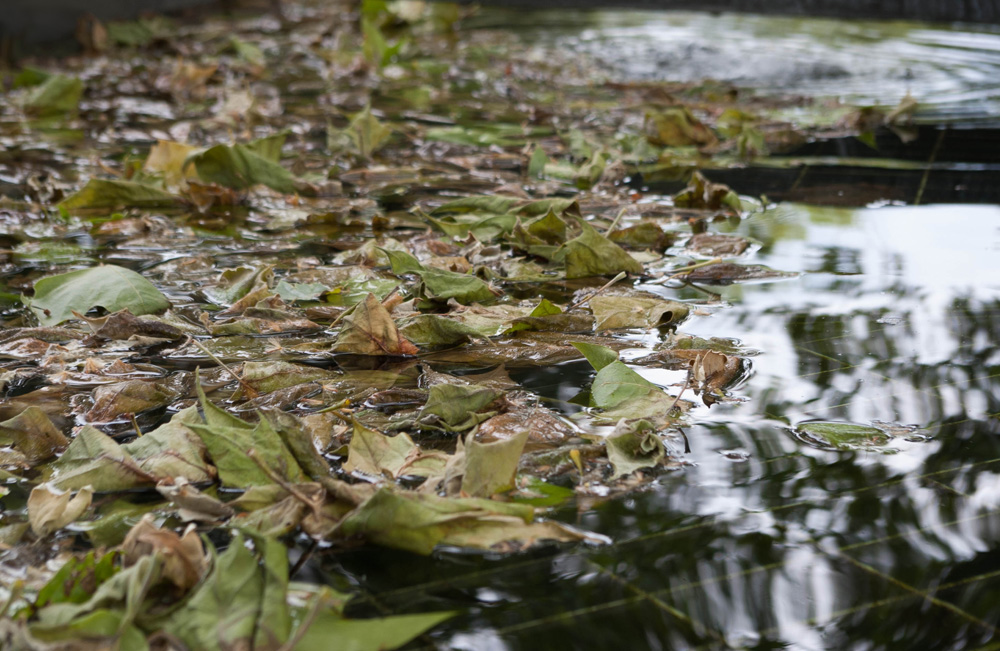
x=50 y=509
x=123 y=324
x=370 y=330
x=712 y=372
x=129 y=397
x=34 y=435
x=184 y=558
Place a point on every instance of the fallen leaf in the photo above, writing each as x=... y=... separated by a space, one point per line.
x=51 y=509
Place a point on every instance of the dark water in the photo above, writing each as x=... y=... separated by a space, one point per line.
x=765 y=538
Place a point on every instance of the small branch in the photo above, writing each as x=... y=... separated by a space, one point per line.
x=615 y=222
x=684 y=270
x=250 y=391
x=586 y=298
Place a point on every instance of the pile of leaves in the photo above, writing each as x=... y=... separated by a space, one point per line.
x=272 y=281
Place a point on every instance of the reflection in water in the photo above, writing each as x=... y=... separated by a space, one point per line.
x=951 y=70
x=764 y=541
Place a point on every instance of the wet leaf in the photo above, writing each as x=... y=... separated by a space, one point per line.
x=367 y=134
x=124 y=325
x=228 y=440
x=240 y=167
x=702 y=193
x=106 y=195
x=598 y=356
x=94 y=459
x=173 y=450
x=128 y=397
x=419 y=522
x=592 y=254
x=51 y=509
x=370 y=330
x=440 y=284
x=844 y=436
x=712 y=372
x=367 y=634
x=170 y=161
x=55 y=95
x=111 y=287
x=616 y=384
x=490 y=466
x=455 y=407
x=634 y=445
x=435 y=330
x=714 y=244
x=376 y=454
x=613 y=312
x=34 y=435
x=676 y=127
x=726 y=273
x=266 y=377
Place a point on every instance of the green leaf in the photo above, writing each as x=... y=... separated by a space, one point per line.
x=418 y=522
x=592 y=254
x=57 y=94
x=95 y=459
x=490 y=467
x=440 y=284
x=299 y=291
x=634 y=445
x=367 y=134
x=370 y=330
x=228 y=439
x=378 y=634
x=454 y=406
x=240 y=167
x=613 y=312
x=598 y=356
x=436 y=330
x=376 y=454
x=266 y=377
x=107 y=195
x=34 y=435
x=223 y=611
x=173 y=450
x=113 y=288
x=616 y=383
x=845 y=436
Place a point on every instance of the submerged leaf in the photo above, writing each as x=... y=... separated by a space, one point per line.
x=111 y=287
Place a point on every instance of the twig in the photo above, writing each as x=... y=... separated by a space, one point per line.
x=251 y=392
x=303 y=559
x=586 y=298
x=135 y=424
x=684 y=270
x=615 y=222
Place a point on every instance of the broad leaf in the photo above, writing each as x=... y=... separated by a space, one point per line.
x=634 y=445
x=370 y=330
x=106 y=195
x=113 y=288
x=240 y=167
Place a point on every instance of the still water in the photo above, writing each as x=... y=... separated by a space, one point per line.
x=764 y=538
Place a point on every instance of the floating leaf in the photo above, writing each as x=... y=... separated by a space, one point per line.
x=240 y=167
x=419 y=522
x=56 y=94
x=454 y=406
x=50 y=509
x=591 y=254
x=634 y=445
x=490 y=467
x=676 y=127
x=844 y=436
x=113 y=288
x=376 y=454
x=94 y=459
x=228 y=439
x=34 y=435
x=370 y=330
x=107 y=195
x=598 y=356
x=613 y=312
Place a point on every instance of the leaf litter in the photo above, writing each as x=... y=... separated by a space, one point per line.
x=270 y=290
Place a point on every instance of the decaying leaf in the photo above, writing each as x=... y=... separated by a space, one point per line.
x=51 y=509
x=370 y=330
x=34 y=435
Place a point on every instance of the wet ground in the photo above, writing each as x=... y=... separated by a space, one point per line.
x=769 y=539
